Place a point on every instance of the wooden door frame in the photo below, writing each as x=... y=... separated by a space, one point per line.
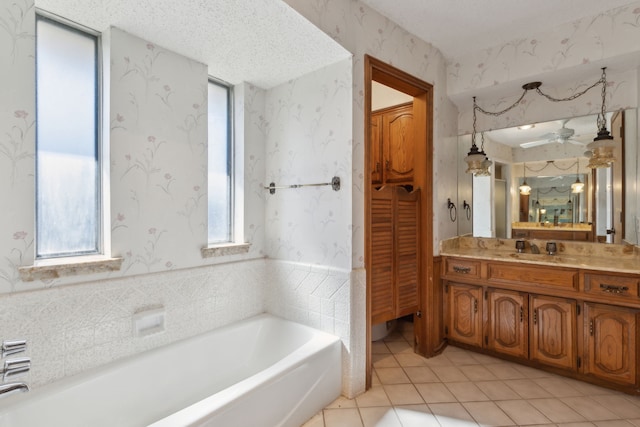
x=428 y=327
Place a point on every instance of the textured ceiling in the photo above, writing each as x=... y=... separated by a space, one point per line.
x=457 y=27
x=263 y=42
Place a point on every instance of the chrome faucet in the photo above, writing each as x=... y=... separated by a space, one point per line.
x=17 y=366
x=11 y=387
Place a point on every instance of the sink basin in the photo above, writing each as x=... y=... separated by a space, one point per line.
x=556 y=259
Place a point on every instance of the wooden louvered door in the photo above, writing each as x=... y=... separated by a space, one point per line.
x=407 y=232
x=382 y=308
x=395 y=270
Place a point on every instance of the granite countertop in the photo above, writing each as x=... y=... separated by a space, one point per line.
x=583 y=255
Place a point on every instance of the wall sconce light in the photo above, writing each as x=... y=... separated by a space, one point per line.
x=577 y=186
x=525 y=189
x=600 y=150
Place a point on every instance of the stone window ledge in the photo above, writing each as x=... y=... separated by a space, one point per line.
x=54 y=269
x=225 y=249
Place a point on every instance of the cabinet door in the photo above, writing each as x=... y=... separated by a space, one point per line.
x=465 y=314
x=376 y=149
x=398 y=145
x=507 y=330
x=407 y=256
x=382 y=255
x=553 y=331
x=610 y=338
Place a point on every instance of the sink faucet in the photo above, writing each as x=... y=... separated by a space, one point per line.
x=12 y=387
x=551 y=248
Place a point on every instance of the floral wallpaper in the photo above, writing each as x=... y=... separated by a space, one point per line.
x=361 y=30
x=309 y=141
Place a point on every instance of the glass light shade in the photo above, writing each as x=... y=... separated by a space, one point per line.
x=486 y=164
x=602 y=150
x=577 y=187
x=543 y=211
x=525 y=188
x=475 y=159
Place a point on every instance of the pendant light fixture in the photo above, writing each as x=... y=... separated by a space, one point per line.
x=602 y=146
x=476 y=157
x=525 y=189
x=600 y=150
x=577 y=186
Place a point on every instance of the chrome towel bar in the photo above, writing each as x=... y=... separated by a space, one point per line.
x=335 y=185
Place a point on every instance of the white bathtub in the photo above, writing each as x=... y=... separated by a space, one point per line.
x=263 y=371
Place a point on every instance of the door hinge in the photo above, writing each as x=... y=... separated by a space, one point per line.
x=446 y=330
x=579 y=362
x=486 y=340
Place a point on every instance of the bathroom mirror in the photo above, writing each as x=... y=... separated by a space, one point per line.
x=551 y=157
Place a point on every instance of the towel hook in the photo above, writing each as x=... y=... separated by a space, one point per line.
x=453 y=211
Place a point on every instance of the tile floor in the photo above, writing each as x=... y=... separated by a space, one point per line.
x=463 y=388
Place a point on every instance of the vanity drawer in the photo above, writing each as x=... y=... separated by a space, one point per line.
x=617 y=286
x=462 y=267
x=558 y=278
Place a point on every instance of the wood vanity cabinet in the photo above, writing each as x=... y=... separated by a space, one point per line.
x=610 y=335
x=553 y=331
x=507 y=322
x=579 y=323
x=392 y=145
x=464 y=308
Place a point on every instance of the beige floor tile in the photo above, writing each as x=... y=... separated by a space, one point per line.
x=589 y=389
x=375 y=396
x=453 y=349
x=379 y=347
x=578 y=424
x=556 y=410
x=343 y=402
x=635 y=422
x=522 y=413
x=496 y=390
x=483 y=359
x=477 y=373
x=392 y=376
x=533 y=373
x=384 y=361
x=435 y=393
x=440 y=360
x=557 y=387
x=452 y=415
x=316 y=421
x=394 y=336
x=421 y=374
x=374 y=377
x=589 y=408
x=410 y=359
x=466 y=392
x=380 y=417
x=527 y=389
x=633 y=399
x=487 y=414
x=505 y=371
x=616 y=423
x=403 y=394
x=349 y=417
x=449 y=374
x=618 y=405
x=461 y=358
x=400 y=347
x=416 y=416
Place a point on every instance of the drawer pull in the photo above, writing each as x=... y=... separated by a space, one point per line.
x=461 y=270
x=613 y=289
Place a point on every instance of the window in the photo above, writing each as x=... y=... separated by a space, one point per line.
x=220 y=163
x=68 y=208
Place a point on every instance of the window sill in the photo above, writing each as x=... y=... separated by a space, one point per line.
x=225 y=249
x=63 y=267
